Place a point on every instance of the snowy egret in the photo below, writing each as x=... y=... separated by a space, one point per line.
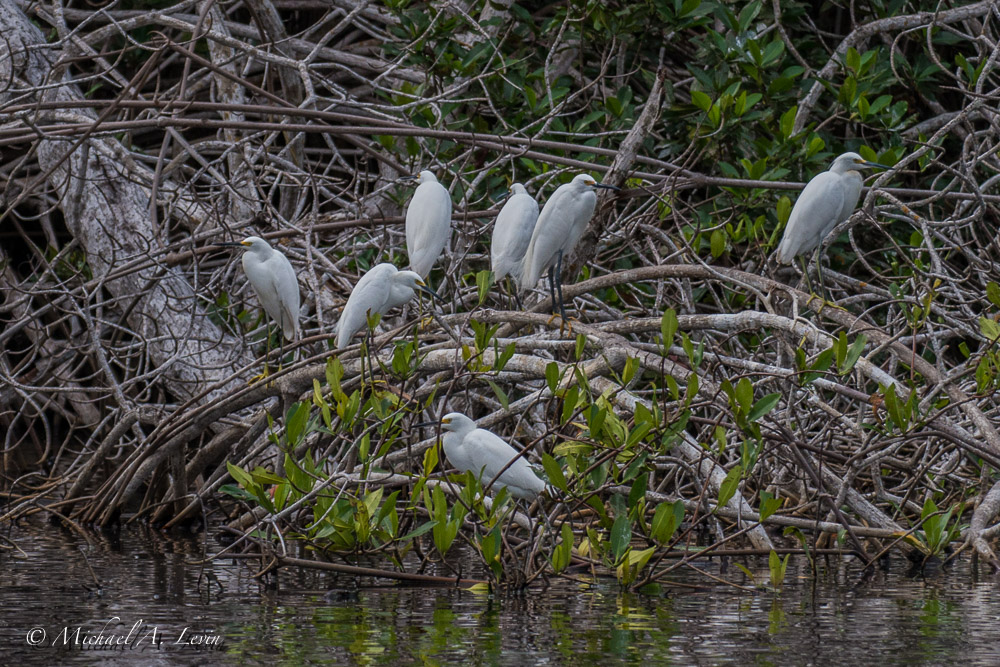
x=827 y=200
x=512 y=233
x=384 y=287
x=484 y=454
x=273 y=279
x=559 y=228
x=428 y=222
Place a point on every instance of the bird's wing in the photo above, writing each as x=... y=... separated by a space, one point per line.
x=512 y=233
x=265 y=285
x=552 y=230
x=491 y=454
x=368 y=296
x=287 y=286
x=428 y=226
x=815 y=211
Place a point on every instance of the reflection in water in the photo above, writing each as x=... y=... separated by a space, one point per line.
x=148 y=581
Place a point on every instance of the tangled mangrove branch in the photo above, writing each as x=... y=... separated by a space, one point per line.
x=701 y=401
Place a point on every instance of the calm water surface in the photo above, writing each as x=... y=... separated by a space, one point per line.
x=164 y=608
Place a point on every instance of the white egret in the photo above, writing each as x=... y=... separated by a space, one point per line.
x=512 y=232
x=384 y=287
x=827 y=200
x=484 y=454
x=559 y=228
x=428 y=222
x=273 y=279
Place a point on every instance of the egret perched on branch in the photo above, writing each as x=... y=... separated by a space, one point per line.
x=273 y=279
x=512 y=233
x=828 y=200
x=428 y=222
x=560 y=226
x=384 y=287
x=484 y=454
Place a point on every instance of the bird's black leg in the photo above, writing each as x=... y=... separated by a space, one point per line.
x=562 y=307
x=552 y=286
x=513 y=290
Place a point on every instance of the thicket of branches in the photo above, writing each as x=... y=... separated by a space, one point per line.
x=701 y=397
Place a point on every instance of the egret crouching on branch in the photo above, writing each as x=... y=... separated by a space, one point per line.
x=512 y=233
x=381 y=289
x=560 y=226
x=827 y=200
x=484 y=454
x=428 y=222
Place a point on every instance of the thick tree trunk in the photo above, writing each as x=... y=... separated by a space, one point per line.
x=107 y=212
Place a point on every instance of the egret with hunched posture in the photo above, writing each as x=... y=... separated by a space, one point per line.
x=273 y=279
x=560 y=227
x=828 y=200
x=484 y=454
x=381 y=289
x=512 y=233
x=428 y=222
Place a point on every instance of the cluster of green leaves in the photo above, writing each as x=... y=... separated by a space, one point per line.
x=737 y=109
x=938 y=528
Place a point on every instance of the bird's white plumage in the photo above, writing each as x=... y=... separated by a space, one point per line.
x=382 y=288
x=428 y=223
x=512 y=233
x=827 y=200
x=484 y=454
x=560 y=226
x=273 y=279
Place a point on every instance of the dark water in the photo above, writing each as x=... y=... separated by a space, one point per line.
x=151 y=587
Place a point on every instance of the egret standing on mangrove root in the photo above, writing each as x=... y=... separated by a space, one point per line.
x=560 y=226
x=512 y=233
x=381 y=289
x=827 y=200
x=484 y=454
x=428 y=222
x=273 y=279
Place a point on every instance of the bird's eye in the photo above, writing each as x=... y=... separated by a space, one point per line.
x=445 y=421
